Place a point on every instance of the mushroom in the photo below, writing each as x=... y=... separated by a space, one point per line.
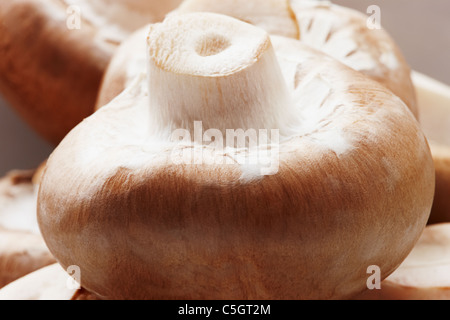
x=424 y=275
x=338 y=31
x=441 y=206
x=54 y=54
x=274 y=16
x=326 y=172
x=434 y=107
x=20 y=254
x=22 y=249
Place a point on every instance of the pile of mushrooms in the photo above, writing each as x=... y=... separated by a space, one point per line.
x=270 y=150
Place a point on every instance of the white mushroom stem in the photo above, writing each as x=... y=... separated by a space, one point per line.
x=215 y=69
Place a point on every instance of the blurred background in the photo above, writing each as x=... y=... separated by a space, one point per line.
x=421 y=28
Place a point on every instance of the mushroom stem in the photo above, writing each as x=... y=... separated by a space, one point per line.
x=217 y=70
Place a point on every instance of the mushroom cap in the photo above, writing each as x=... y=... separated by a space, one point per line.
x=20 y=254
x=50 y=73
x=434 y=106
x=354 y=188
x=341 y=32
x=344 y=34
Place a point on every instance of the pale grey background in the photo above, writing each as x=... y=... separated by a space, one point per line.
x=421 y=28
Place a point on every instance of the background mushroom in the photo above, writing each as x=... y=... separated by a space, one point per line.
x=49 y=283
x=281 y=16
x=54 y=54
x=22 y=249
x=424 y=275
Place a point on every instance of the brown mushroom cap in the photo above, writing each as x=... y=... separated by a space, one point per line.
x=51 y=73
x=354 y=187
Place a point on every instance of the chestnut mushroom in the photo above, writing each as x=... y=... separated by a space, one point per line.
x=339 y=178
x=54 y=54
x=424 y=275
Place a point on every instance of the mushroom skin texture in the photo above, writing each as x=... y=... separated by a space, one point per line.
x=144 y=219
x=51 y=70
